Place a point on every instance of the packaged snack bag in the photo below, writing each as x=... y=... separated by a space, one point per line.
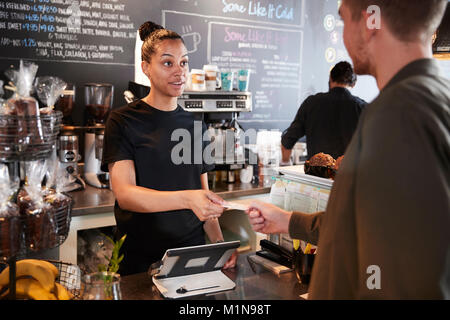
x=9 y=215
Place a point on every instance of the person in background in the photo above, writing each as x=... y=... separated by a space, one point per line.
x=385 y=231
x=159 y=204
x=327 y=119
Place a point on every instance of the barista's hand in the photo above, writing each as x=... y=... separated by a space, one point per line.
x=268 y=218
x=204 y=203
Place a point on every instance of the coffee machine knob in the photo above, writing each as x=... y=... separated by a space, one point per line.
x=70 y=169
x=70 y=156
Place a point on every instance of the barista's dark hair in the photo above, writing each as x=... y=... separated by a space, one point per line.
x=408 y=20
x=343 y=73
x=152 y=34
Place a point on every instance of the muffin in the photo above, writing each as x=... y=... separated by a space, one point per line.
x=320 y=165
x=321 y=160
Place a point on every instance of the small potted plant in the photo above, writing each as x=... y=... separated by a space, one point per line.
x=105 y=284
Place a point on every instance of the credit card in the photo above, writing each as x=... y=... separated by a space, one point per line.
x=235 y=206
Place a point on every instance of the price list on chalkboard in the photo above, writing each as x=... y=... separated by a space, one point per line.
x=274 y=71
x=270 y=51
x=67 y=31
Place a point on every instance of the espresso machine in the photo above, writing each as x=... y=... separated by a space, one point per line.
x=68 y=155
x=220 y=111
x=98 y=102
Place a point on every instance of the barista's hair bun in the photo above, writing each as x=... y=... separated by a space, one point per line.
x=147 y=29
x=152 y=34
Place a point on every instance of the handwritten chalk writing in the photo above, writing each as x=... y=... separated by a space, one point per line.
x=66 y=37
x=252 y=36
x=233 y=7
x=234 y=35
x=60 y=25
x=62 y=1
x=110 y=16
x=17 y=6
x=255 y=8
x=284 y=13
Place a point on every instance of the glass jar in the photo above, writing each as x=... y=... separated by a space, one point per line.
x=101 y=286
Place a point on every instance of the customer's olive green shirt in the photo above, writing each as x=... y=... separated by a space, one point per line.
x=389 y=207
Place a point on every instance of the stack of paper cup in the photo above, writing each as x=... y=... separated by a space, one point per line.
x=243 y=79
x=227 y=81
x=198 y=80
x=212 y=77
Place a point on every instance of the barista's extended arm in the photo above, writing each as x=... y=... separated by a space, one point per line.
x=204 y=203
x=212 y=228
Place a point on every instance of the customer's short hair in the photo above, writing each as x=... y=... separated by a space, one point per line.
x=343 y=73
x=408 y=20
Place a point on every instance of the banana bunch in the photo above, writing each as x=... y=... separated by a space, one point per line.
x=35 y=279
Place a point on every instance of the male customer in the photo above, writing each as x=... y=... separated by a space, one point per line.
x=385 y=232
x=328 y=119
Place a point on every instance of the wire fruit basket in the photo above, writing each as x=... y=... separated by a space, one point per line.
x=70 y=277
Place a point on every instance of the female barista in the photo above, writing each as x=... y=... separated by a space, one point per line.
x=159 y=204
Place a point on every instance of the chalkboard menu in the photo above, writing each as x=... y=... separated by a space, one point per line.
x=78 y=41
x=288 y=45
x=70 y=31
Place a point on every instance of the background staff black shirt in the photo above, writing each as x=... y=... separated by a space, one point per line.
x=141 y=133
x=328 y=120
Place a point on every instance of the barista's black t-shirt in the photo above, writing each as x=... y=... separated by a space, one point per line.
x=166 y=148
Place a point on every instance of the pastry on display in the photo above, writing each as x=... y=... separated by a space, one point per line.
x=320 y=165
x=38 y=216
x=28 y=128
x=10 y=225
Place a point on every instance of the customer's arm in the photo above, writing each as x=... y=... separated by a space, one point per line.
x=305 y=226
x=268 y=218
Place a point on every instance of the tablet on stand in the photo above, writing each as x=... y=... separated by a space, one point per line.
x=195 y=270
